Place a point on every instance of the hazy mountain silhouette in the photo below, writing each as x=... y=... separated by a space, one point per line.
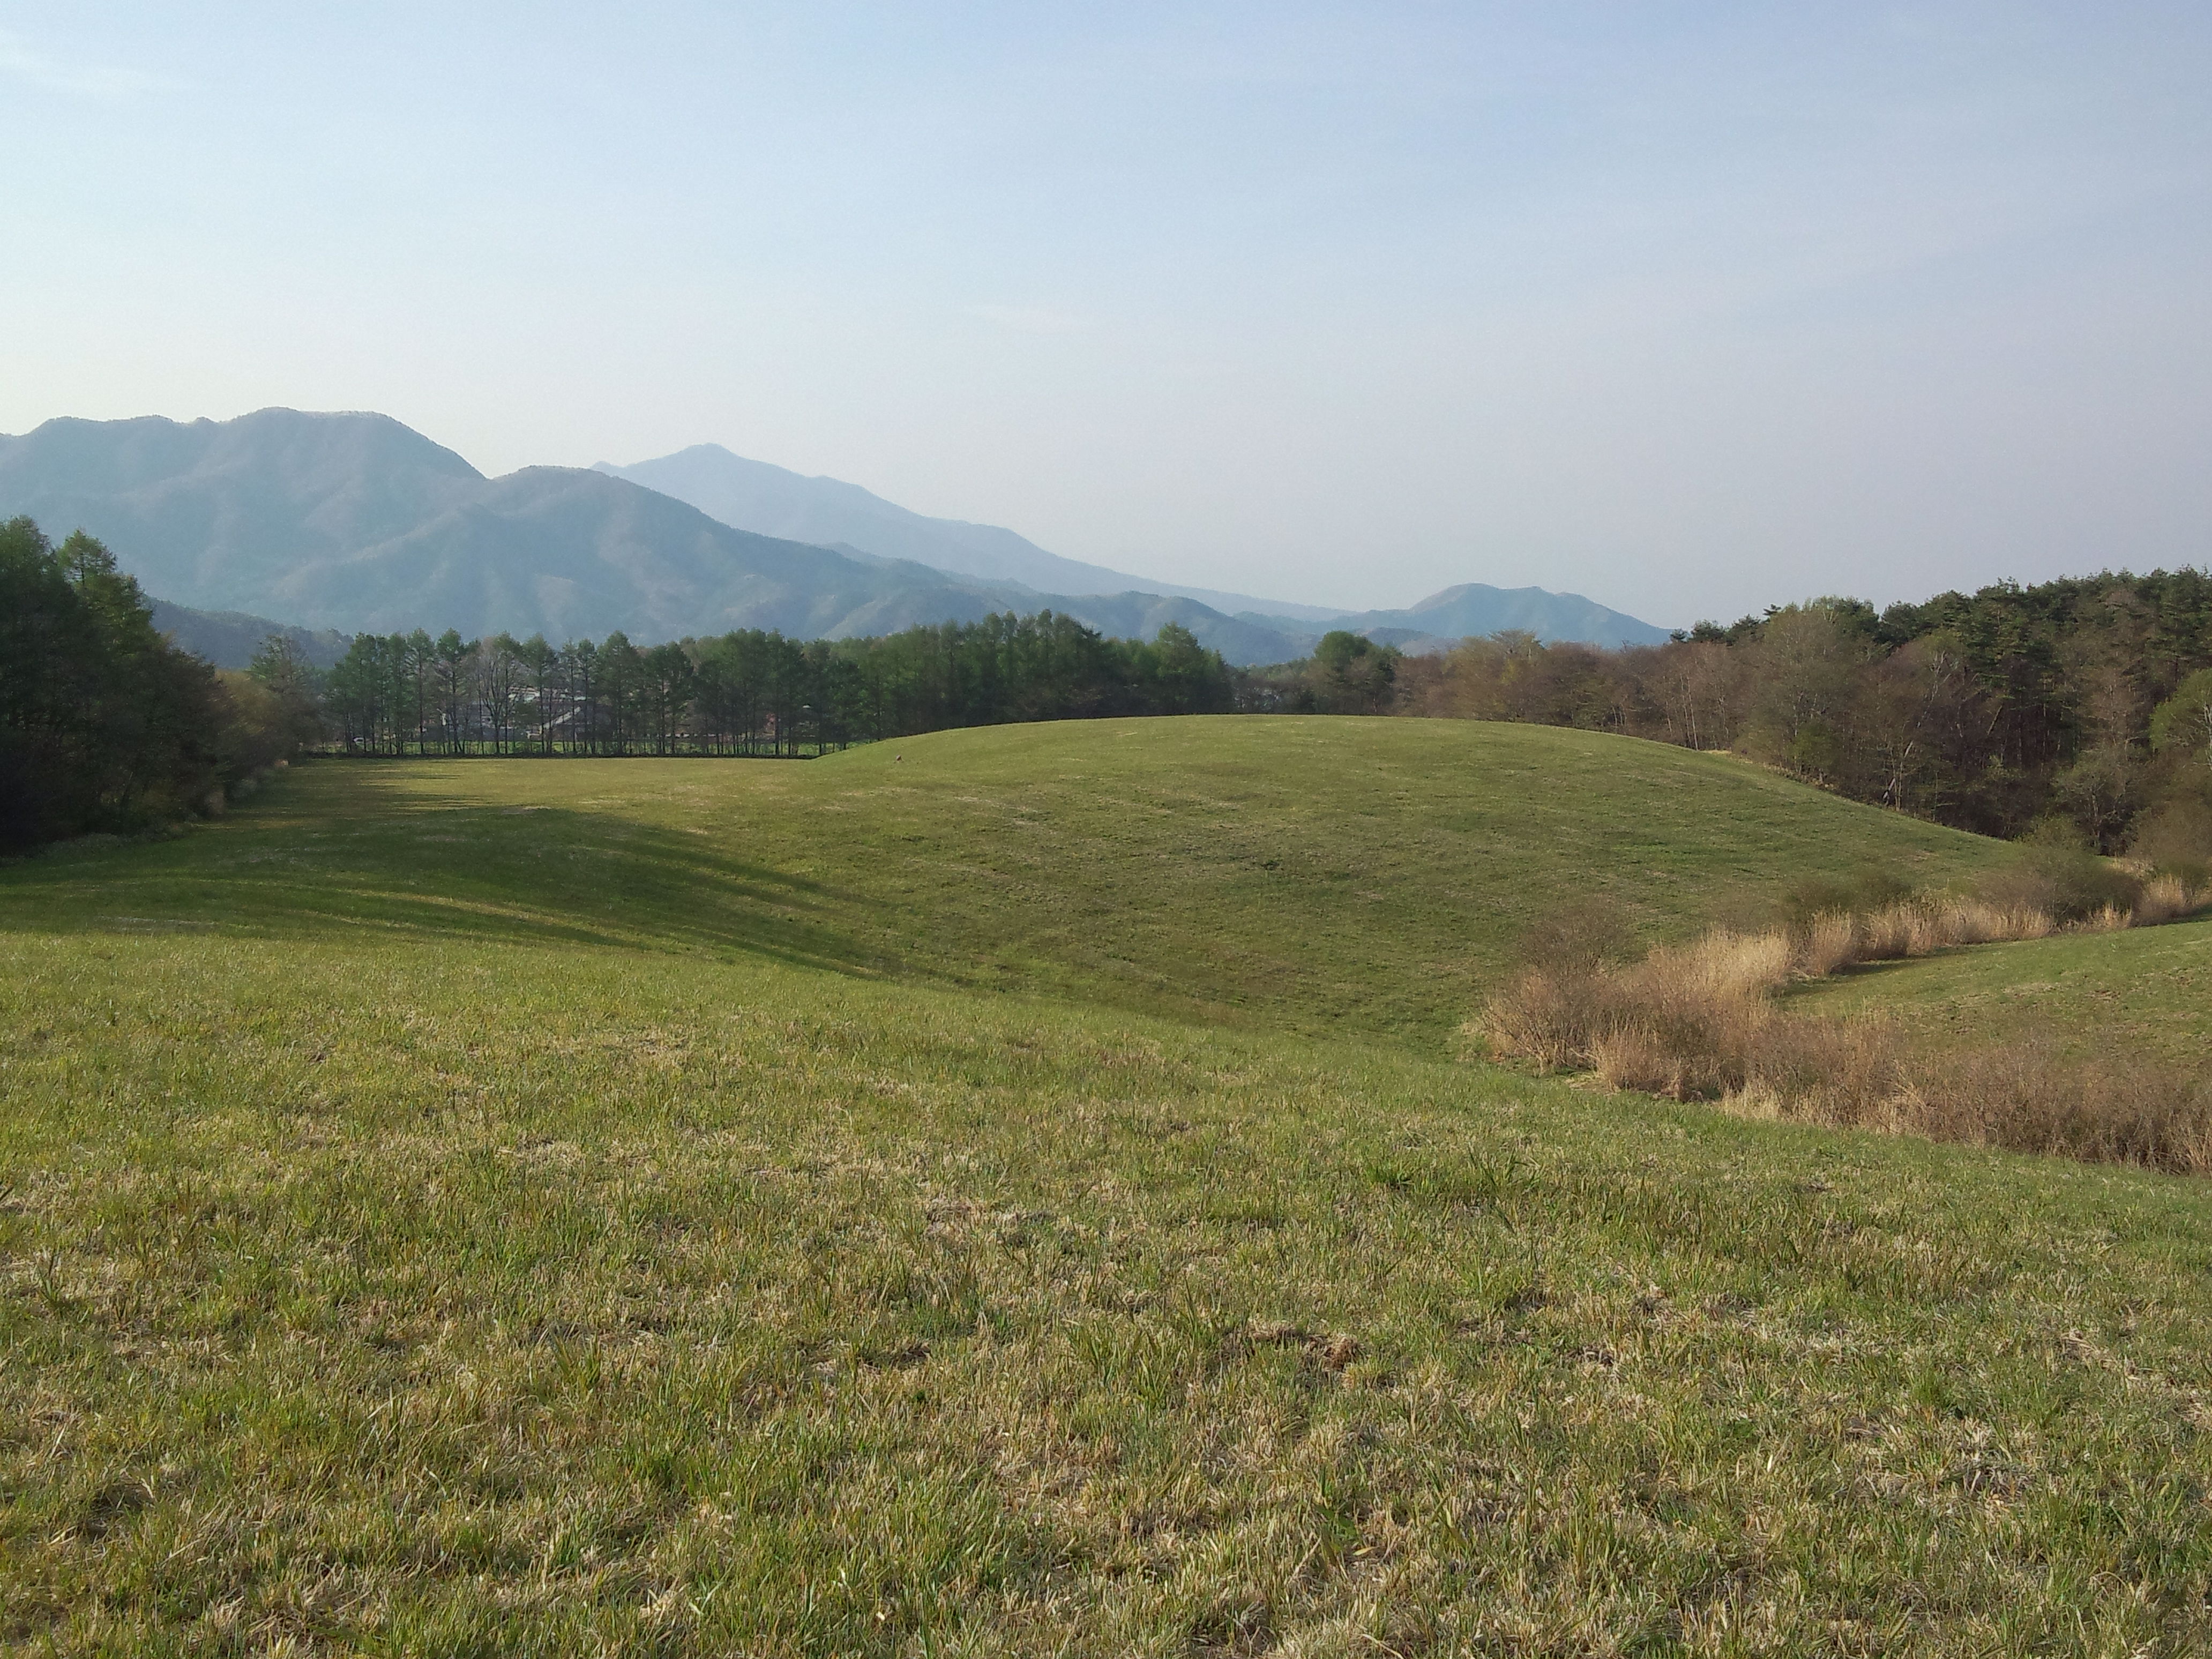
x=355 y=522
x=775 y=501
x=1474 y=609
x=230 y=639
x=772 y=500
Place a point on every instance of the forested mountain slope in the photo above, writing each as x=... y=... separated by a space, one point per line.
x=230 y=639
x=353 y=522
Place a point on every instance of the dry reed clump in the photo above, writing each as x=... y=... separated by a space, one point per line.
x=1690 y=1022
x=2025 y=1096
x=1684 y=1021
x=2166 y=898
x=1700 y=1021
x=1912 y=927
x=1548 y=1019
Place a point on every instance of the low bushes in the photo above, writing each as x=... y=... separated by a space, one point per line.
x=1701 y=1021
x=2067 y=884
x=2028 y=1098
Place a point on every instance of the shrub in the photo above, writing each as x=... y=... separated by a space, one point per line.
x=1576 y=939
x=2176 y=838
x=1828 y=943
x=1681 y=1023
x=1551 y=1020
x=1870 y=889
x=2166 y=898
x=2067 y=883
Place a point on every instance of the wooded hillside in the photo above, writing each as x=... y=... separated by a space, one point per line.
x=2081 y=705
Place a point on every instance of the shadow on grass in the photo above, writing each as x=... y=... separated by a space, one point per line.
x=356 y=850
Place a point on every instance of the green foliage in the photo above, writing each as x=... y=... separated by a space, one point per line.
x=255 y=728
x=754 y=692
x=1008 y=668
x=282 y=669
x=2184 y=720
x=1986 y=711
x=1352 y=674
x=102 y=725
x=2176 y=836
x=1347 y=674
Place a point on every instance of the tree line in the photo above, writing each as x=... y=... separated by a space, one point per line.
x=750 y=692
x=104 y=725
x=2080 y=707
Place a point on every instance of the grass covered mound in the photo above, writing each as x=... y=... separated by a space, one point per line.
x=1326 y=875
x=542 y=1208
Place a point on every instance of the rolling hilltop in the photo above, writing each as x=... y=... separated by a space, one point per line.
x=1013 y=1192
x=355 y=522
x=1325 y=873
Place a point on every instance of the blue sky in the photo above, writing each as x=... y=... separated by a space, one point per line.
x=1691 y=307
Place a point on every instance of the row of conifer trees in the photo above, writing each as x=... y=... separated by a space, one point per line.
x=751 y=692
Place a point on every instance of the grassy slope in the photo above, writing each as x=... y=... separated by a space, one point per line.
x=1318 y=874
x=2145 y=991
x=450 y=1281
x=472 y=1297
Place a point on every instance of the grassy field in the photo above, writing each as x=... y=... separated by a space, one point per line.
x=1323 y=875
x=560 y=1208
x=2147 y=991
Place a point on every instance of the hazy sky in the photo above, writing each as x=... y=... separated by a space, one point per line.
x=1691 y=308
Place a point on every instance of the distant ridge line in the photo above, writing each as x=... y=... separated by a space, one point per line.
x=356 y=522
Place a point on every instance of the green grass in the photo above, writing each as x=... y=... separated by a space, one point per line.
x=2144 y=992
x=625 y=1227
x=1323 y=875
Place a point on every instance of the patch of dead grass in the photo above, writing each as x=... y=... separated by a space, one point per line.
x=1702 y=1022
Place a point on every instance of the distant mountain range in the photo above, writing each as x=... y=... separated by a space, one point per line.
x=353 y=522
x=231 y=639
x=755 y=495
x=1475 y=609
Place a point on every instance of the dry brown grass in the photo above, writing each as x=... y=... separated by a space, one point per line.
x=2027 y=1097
x=1912 y=927
x=1701 y=1021
x=2167 y=898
